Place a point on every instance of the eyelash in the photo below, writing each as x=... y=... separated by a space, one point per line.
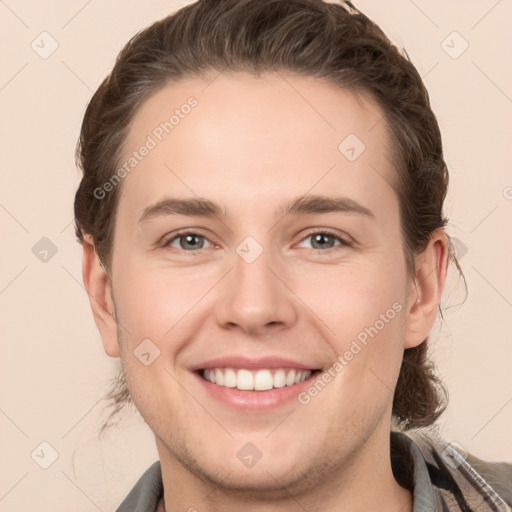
x=343 y=243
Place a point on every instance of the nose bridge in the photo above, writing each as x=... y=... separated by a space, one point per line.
x=253 y=277
x=256 y=297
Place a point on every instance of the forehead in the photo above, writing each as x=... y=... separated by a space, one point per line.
x=243 y=138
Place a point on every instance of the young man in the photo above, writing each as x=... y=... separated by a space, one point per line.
x=261 y=214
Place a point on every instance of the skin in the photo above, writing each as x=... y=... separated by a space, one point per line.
x=254 y=141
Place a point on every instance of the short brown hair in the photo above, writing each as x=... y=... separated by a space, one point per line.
x=311 y=38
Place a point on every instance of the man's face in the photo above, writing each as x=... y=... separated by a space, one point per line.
x=297 y=290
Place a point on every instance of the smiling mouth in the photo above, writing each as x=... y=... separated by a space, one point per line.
x=256 y=380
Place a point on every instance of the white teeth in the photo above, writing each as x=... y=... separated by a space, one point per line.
x=290 y=378
x=263 y=380
x=279 y=379
x=230 y=378
x=244 y=380
x=260 y=380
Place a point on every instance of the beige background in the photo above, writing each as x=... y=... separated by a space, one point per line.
x=53 y=369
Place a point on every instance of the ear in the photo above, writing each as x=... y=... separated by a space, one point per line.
x=426 y=289
x=99 y=291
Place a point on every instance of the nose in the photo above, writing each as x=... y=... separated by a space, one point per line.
x=256 y=298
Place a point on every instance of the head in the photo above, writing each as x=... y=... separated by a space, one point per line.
x=245 y=108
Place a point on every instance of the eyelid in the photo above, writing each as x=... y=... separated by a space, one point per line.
x=166 y=240
x=326 y=231
x=313 y=231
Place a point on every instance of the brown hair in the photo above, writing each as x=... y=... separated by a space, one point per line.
x=311 y=38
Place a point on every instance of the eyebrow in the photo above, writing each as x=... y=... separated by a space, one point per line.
x=303 y=205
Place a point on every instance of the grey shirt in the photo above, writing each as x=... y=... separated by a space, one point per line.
x=440 y=477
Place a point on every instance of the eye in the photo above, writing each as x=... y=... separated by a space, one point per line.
x=324 y=240
x=188 y=241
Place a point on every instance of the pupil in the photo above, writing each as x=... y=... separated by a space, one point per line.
x=322 y=237
x=189 y=240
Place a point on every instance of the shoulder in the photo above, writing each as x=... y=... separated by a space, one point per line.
x=462 y=481
x=146 y=493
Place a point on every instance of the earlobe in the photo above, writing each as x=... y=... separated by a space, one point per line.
x=98 y=288
x=425 y=294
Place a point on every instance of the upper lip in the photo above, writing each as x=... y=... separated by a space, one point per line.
x=234 y=361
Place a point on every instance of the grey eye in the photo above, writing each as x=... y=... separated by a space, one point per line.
x=188 y=242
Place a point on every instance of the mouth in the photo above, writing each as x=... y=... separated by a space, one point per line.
x=263 y=379
x=255 y=390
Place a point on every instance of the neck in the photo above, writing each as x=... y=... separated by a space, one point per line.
x=363 y=482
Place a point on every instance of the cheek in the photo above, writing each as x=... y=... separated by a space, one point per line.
x=361 y=314
x=349 y=298
x=368 y=325
x=153 y=302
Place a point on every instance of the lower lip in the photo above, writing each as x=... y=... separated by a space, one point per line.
x=255 y=400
